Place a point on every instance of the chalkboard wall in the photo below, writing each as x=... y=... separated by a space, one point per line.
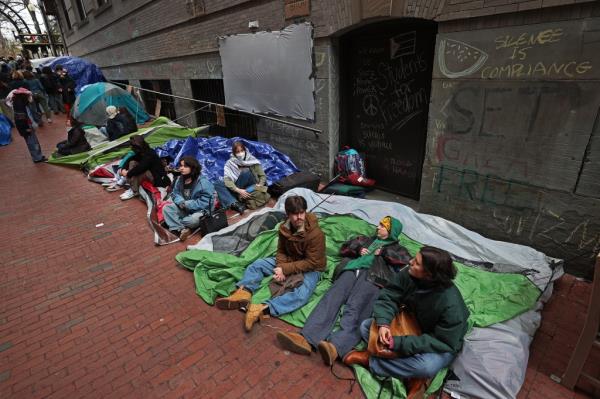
x=386 y=79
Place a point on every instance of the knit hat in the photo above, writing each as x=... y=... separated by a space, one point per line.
x=111 y=111
x=387 y=223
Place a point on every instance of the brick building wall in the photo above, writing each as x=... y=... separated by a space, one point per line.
x=549 y=201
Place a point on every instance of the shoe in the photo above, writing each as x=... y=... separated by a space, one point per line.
x=129 y=194
x=253 y=314
x=328 y=352
x=42 y=159
x=357 y=357
x=184 y=234
x=108 y=184
x=294 y=342
x=113 y=187
x=238 y=207
x=240 y=297
x=415 y=388
x=49 y=120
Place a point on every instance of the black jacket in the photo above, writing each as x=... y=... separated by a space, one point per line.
x=116 y=127
x=149 y=161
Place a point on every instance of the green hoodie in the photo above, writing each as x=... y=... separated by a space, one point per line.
x=365 y=261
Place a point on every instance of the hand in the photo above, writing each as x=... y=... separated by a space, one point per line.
x=278 y=274
x=364 y=251
x=385 y=336
x=377 y=251
x=181 y=206
x=123 y=172
x=243 y=193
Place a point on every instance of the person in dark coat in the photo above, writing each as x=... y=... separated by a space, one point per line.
x=75 y=142
x=50 y=82
x=356 y=290
x=115 y=124
x=19 y=100
x=144 y=165
x=66 y=87
x=427 y=290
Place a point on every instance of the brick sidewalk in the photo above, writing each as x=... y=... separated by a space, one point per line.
x=92 y=311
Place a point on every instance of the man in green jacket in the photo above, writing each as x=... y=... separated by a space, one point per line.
x=426 y=288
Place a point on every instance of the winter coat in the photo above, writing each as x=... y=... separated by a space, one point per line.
x=441 y=313
x=303 y=250
x=75 y=142
x=149 y=161
x=50 y=83
x=116 y=127
x=67 y=84
x=203 y=195
x=259 y=196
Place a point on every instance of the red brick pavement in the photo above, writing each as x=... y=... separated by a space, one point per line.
x=90 y=311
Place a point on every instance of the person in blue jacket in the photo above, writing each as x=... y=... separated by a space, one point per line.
x=193 y=197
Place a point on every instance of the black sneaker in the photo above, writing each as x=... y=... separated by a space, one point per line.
x=42 y=159
x=238 y=207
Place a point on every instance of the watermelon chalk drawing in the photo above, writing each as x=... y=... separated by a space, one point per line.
x=457 y=59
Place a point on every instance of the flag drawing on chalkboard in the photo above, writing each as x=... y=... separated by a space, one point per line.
x=457 y=59
x=403 y=44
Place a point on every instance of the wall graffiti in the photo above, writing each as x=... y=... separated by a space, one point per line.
x=517 y=54
x=522 y=212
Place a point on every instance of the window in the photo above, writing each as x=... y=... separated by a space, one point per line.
x=80 y=10
x=65 y=14
x=167 y=103
x=238 y=124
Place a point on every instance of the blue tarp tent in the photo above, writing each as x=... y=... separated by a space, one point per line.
x=90 y=105
x=5 y=128
x=213 y=152
x=83 y=72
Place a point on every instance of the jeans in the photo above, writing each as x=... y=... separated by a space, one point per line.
x=33 y=146
x=287 y=302
x=177 y=219
x=422 y=365
x=55 y=101
x=357 y=296
x=226 y=196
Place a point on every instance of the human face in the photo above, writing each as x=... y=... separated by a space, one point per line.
x=297 y=219
x=184 y=169
x=382 y=232
x=416 y=269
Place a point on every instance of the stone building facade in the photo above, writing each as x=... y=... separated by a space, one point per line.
x=486 y=111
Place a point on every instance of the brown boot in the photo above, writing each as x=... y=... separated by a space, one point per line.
x=328 y=352
x=253 y=314
x=294 y=342
x=239 y=298
x=415 y=388
x=357 y=357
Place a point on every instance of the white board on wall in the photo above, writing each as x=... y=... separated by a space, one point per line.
x=270 y=72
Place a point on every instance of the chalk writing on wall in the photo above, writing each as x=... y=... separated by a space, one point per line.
x=511 y=56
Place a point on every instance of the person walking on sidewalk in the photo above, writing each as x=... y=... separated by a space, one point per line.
x=368 y=263
x=193 y=198
x=19 y=100
x=296 y=267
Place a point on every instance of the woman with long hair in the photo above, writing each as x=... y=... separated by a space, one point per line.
x=427 y=290
x=193 y=197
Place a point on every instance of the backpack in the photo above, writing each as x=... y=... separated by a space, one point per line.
x=348 y=161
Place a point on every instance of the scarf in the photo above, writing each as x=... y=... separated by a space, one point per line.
x=233 y=165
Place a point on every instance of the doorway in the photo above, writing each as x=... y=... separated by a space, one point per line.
x=385 y=77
